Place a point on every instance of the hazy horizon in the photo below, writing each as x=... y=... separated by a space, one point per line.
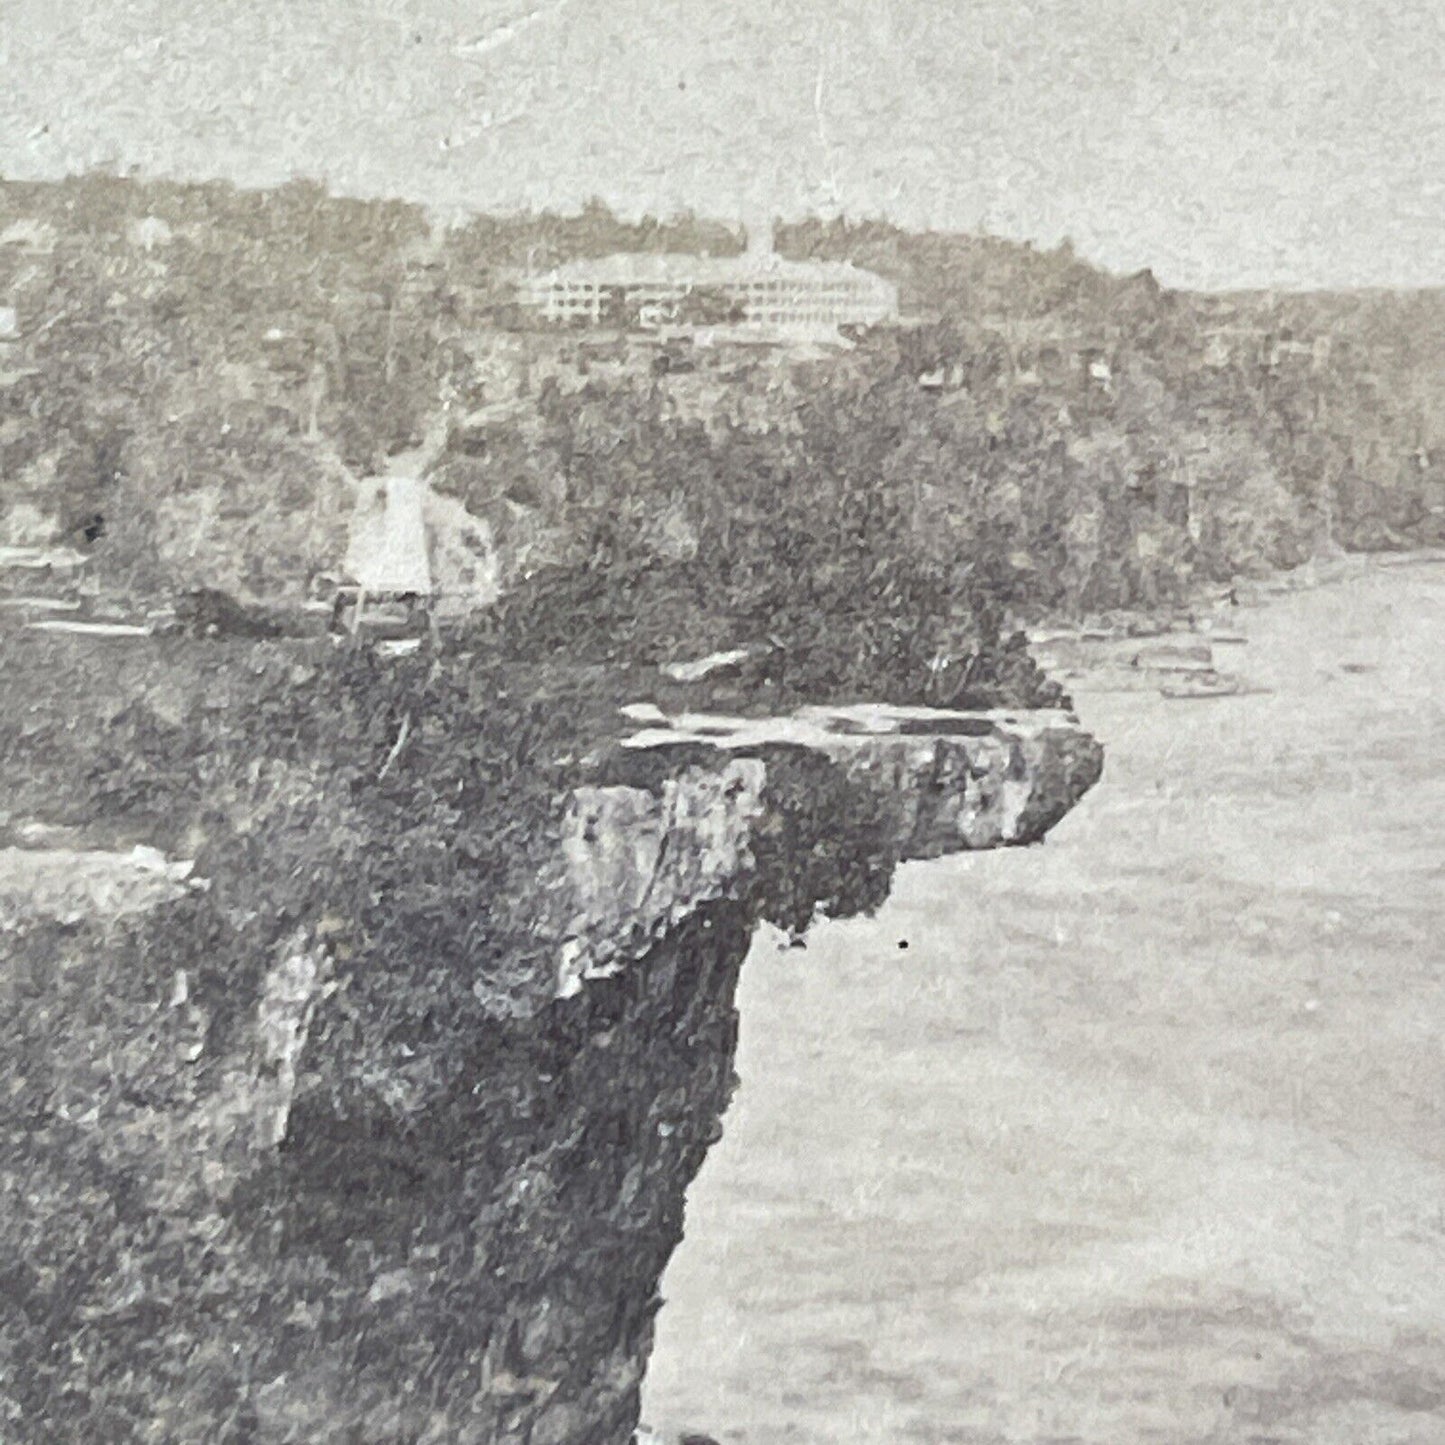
x=1221 y=148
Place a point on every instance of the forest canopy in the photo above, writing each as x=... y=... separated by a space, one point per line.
x=203 y=374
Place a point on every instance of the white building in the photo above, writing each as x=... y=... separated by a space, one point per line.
x=759 y=292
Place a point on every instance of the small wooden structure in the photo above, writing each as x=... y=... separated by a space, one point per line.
x=388 y=559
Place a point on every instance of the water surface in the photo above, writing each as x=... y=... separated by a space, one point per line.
x=1142 y=1136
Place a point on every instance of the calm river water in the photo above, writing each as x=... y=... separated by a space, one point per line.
x=1142 y=1138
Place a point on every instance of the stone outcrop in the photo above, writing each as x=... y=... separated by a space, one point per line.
x=274 y=1209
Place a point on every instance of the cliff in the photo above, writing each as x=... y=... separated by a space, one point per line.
x=267 y=1178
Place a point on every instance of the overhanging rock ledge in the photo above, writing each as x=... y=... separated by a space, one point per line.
x=302 y=1207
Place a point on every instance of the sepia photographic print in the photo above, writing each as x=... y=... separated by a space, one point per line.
x=722 y=724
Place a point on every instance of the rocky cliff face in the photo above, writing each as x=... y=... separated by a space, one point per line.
x=266 y=1212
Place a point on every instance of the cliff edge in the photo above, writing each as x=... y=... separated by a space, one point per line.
x=277 y=1168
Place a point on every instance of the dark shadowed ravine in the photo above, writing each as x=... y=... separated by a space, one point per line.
x=1141 y=1137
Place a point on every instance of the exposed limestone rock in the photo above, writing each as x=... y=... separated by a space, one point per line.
x=638 y=861
x=70 y=884
x=954 y=780
x=256 y=1198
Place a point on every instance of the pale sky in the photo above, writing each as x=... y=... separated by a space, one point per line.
x=1220 y=142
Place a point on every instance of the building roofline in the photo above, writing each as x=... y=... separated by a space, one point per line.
x=641 y=267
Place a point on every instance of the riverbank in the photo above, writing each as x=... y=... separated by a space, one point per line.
x=1197 y=650
x=1139 y=1139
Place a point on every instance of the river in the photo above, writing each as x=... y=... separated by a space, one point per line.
x=1142 y=1136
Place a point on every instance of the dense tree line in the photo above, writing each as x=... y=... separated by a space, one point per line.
x=208 y=370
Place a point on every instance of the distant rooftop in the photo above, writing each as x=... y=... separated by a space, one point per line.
x=643 y=268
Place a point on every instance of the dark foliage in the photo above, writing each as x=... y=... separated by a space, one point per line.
x=206 y=368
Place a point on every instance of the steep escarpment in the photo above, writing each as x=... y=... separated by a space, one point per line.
x=375 y=1124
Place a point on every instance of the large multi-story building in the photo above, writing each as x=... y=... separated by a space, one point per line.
x=759 y=292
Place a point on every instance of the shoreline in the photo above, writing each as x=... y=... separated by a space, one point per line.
x=1095 y=1166
x=1206 y=641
